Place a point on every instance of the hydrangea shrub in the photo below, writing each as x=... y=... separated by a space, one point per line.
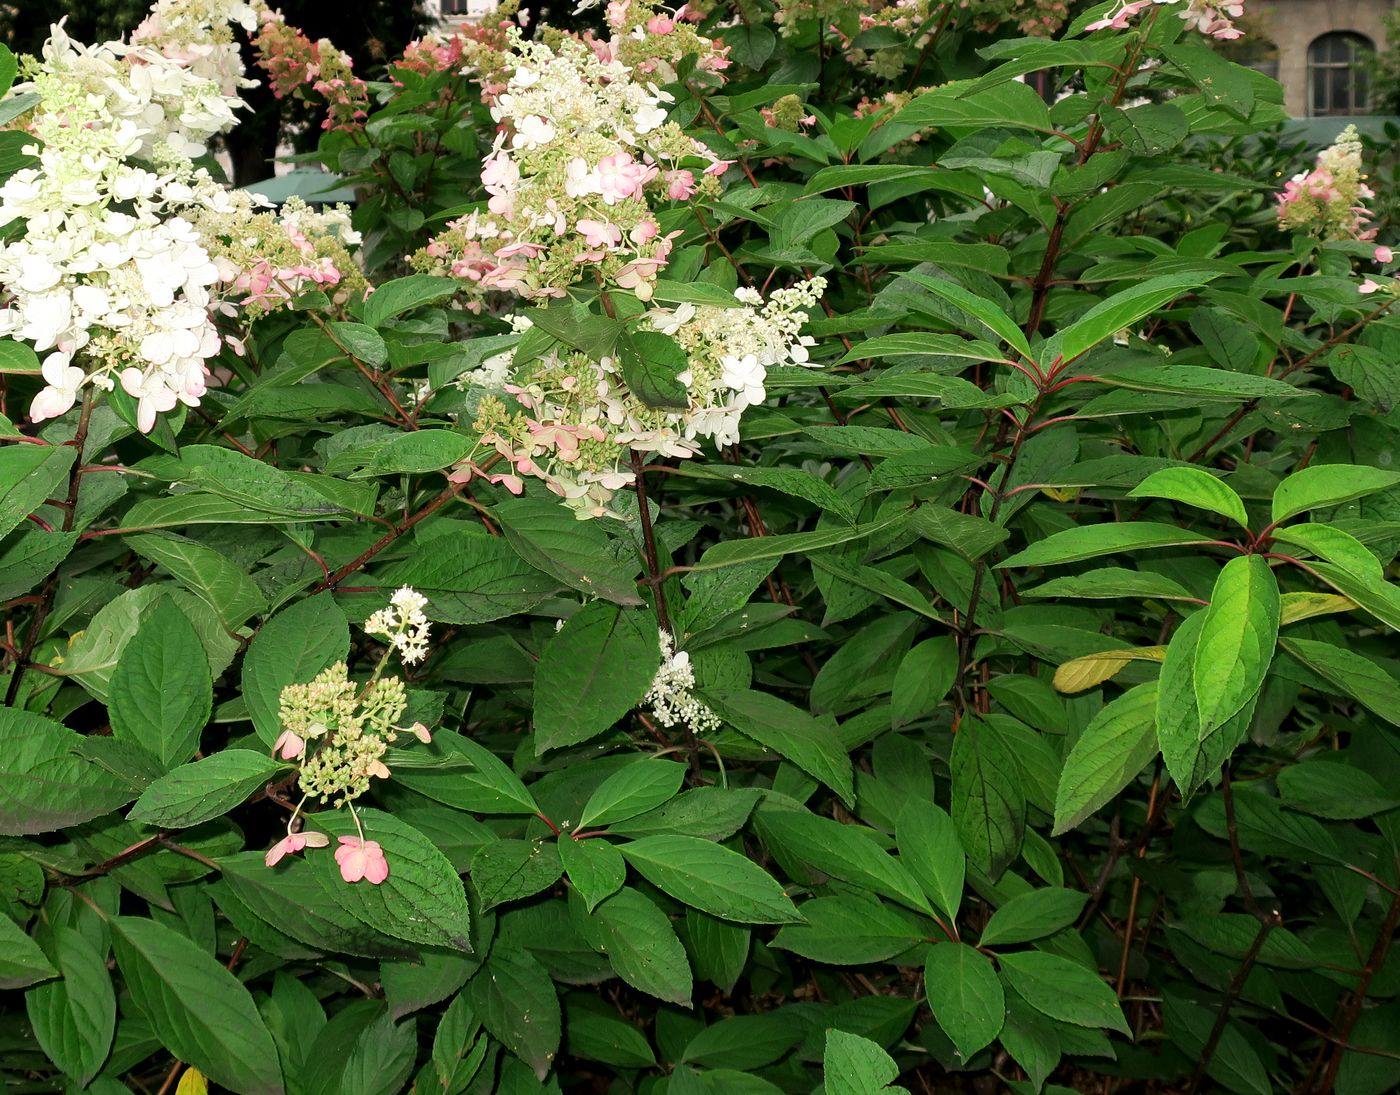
x=779 y=547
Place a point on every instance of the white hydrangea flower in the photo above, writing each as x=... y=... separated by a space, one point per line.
x=671 y=696
x=403 y=624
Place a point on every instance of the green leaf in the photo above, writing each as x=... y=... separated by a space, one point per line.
x=965 y=996
x=1194 y=487
x=30 y=556
x=1032 y=915
x=847 y=852
x=850 y=931
x=641 y=945
x=967 y=534
x=364 y=342
x=1088 y=541
x=651 y=362
x=1320 y=486
x=594 y=1036
x=595 y=868
x=925 y=675
x=1380 y=599
x=852 y=1065
x=930 y=849
x=28 y=475
x=422 y=900
x=711 y=878
x=983 y=311
x=1063 y=990
x=1237 y=640
x=1335 y=546
x=212 y=577
x=1113 y=582
x=1356 y=676
x=161 y=696
x=592 y=672
x=1119 y=742
x=291 y=648
x=471 y=578
x=74 y=1018
x=508 y=870
x=719 y=950
x=743 y=1041
x=206 y=789
x=1011 y=105
x=550 y=538
x=18 y=357
x=44 y=783
x=632 y=790
x=198 y=1010
x=21 y=961
x=788 y=731
x=989 y=805
x=1199 y=381
x=1334 y=791
x=394 y=298
x=1121 y=312
x=381 y=1060
x=418 y=452
x=733 y=552
x=515 y=1000
x=488 y=786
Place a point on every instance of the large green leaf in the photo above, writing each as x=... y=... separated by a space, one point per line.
x=161 y=696
x=1358 y=677
x=965 y=996
x=1063 y=990
x=75 y=1017
x=21 y=961
x=1319 y=486
x=788 y=731
x=550 y=538
x=196 y=1007
x=711 y=878
x=291 y=648
x=515 y=1000
x=28 y=475
x=1089 y=541
x=847 y=852
x=206 y=789
x=1117 y=744
x=1237 y=640
x=423 y=899
x=44 y=783
x=930 y=849
x=1194 y=487
x=989 y=804
x=596 y=669
x=641 y=945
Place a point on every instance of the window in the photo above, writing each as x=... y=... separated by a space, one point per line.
x=472 y=9
x=1336 y=85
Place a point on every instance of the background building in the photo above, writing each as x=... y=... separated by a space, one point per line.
x=1312 y=47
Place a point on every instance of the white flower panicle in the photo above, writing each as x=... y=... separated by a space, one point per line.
x=126 y=249
x=403 y=624
x=584 y=151
x=578 y=420
x=672 y=697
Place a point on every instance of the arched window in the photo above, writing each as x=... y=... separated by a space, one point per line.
x=1336 y=85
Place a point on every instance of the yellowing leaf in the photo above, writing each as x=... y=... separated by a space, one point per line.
x=1304 y=606
x=192 y=1082
x=1085 y=672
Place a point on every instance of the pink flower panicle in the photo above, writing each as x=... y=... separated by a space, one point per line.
x=1210 y=17
x=296 y=66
